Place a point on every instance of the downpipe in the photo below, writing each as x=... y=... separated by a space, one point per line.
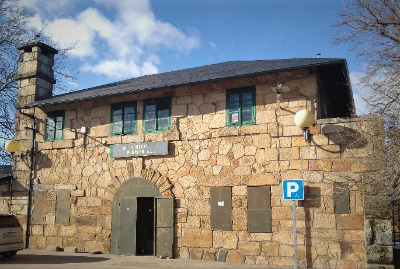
x=30 y=190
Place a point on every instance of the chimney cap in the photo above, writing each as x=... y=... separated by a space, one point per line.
x=44 y=47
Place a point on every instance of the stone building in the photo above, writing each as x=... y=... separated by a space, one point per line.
x=190 y=163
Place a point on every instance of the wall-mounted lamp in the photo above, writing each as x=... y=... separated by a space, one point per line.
x=280 y=88
x=12 y=146
x=304 y=119
x=84 y=131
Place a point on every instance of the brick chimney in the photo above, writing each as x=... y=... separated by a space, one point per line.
x=35 y=72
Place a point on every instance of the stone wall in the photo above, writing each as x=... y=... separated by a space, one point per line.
x=35 y=81
x=204 y=152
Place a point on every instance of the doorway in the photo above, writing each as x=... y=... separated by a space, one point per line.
x=145 y=226
x=142 y=220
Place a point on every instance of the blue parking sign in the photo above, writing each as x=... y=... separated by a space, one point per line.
x=293 y=189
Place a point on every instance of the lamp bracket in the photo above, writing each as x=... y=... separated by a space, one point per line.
x=306 y=134
x=280 y=89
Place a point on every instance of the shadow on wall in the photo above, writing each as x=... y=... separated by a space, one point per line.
x=51 y=259
x=396 y=257
x=42 y=160
x=345 y=137
x=16 y=186
x=312 y=200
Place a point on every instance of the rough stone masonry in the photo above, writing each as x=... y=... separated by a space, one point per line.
x=203 y=153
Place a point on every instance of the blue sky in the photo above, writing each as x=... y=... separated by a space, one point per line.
x=122 y=39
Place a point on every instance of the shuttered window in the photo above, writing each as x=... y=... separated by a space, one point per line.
x=341 y=198
x=63 y=205
x=221 y=208
x=259 y=218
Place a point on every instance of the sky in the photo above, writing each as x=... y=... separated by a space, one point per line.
x=122 y=39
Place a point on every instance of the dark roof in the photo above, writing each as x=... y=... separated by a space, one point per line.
x=5 y=172
x=187 y=76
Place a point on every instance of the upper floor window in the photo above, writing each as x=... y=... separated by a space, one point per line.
x=157 y=115
x=240 y=106
x=55 y=126
x=123 y=118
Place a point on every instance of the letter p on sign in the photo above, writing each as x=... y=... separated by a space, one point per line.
x=293 y=189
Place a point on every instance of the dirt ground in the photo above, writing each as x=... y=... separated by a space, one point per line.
x=38 y=259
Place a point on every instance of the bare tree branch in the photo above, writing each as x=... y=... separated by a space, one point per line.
x=15 y=31
x=372 y=27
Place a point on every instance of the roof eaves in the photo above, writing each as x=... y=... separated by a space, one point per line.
x=54 y=101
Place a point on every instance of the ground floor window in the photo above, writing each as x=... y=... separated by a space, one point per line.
x=259 y=217
x=221 y=208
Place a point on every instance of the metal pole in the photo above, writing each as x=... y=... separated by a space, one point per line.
x=294 y=234
x=30 y=190
x=11 y=194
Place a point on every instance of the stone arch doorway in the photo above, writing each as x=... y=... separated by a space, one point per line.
x=142 y=220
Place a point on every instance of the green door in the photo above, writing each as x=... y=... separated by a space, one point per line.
x=127 y=227
x=164 y=230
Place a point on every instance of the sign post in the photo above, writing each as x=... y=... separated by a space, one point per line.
x=293 y=189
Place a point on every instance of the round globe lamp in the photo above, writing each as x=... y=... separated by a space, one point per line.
x=304 y=119
x=12 y=146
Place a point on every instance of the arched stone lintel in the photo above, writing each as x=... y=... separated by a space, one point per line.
x=161 y=182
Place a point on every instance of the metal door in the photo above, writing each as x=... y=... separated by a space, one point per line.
x=127 y=226
x=164 y=230
x=259 y=216
x=63 y=206
x=221 y=208
x=341 y=198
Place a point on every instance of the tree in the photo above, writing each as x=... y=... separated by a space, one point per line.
x=373 y=29
x=15 y=31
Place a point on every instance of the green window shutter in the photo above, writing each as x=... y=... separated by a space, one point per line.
x=259 y=217
x=123 y=118
x=341 y=198
x=55 y=126
x=240 y=105
x=157 y=115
